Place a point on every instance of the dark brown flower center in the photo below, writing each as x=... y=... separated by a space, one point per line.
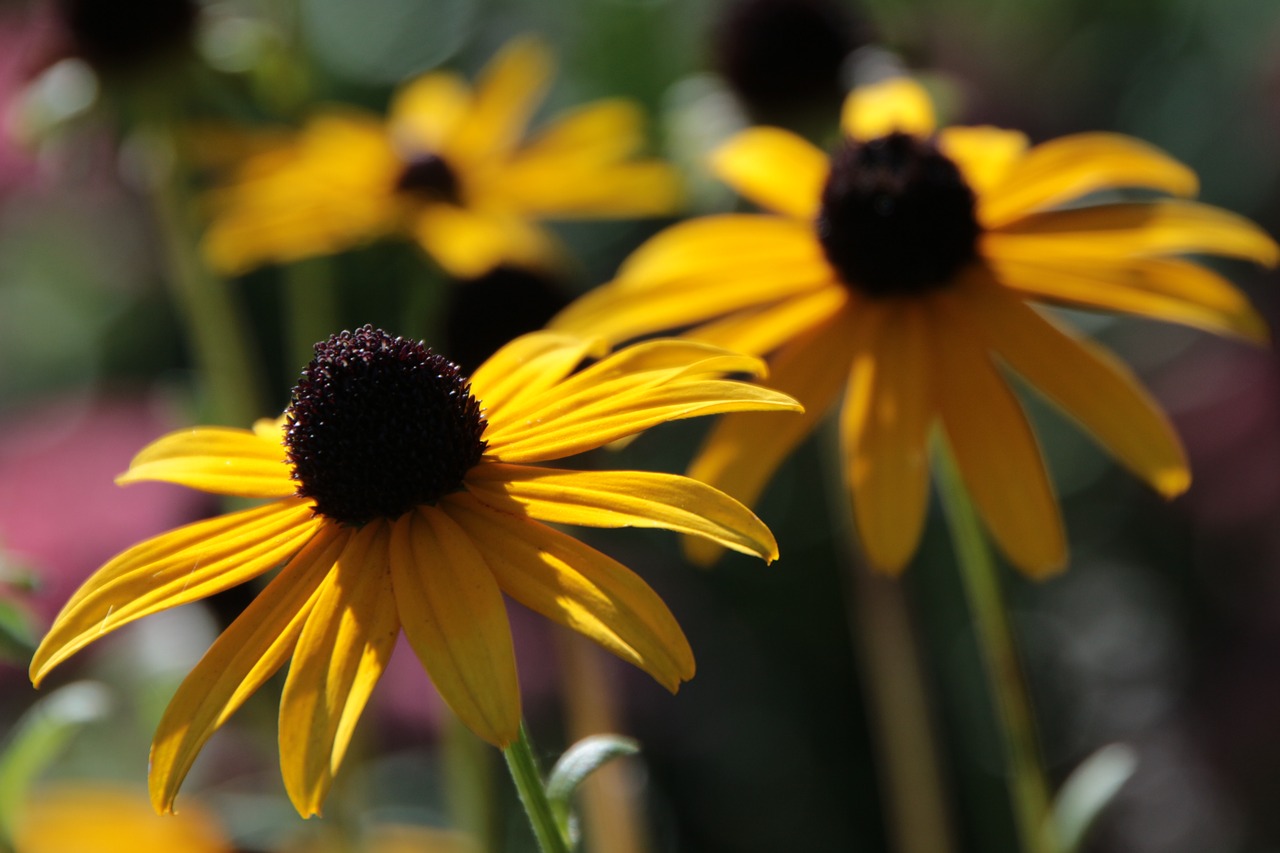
x=897 y=216
x=430 y=177
x=378 y=425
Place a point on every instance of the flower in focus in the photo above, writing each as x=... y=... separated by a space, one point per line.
x=406 y=497
x=899 y=270
x=93 y=817
x=449 y=168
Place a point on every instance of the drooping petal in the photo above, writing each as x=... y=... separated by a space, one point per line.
x=426 y=112
x=984 y=154
x=340 y=654
x=775 y=169
x=898 y=104
x=742 y=451
x=248 y=652
x=1094 y=388
x=1172 y=290
x=507 y=92
x=884 y=428
x=622 y=499
x=1129 y=230
x=178 y=567
x=468 y=243
x=455 y=620
x=763 y=330
x=576 y=586
x=527 y=367
x=994 y=445
x=1072 y=166
x=215 y=459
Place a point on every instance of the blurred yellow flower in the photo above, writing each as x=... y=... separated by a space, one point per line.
x=449 y=168
x=898 y=271
x=406 y=497
x=94 y=817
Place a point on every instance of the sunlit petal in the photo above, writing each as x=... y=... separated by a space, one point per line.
x=183 y=565
x=570 y=583
x=994 y=446
x=984 y=154
x=248 y=652
x=898 y=104
x=425 y=113
x=763 y=330
x=884 y=428
x=220 y=460
x=527 y=367
x=507 y=92
x=1090 y=385
x=775 y=169
x=341 y=653
x=623 y=499
x=454 y=618
x=1072 y=166
x=468 y=243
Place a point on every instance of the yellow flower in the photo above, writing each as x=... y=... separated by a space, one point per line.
x=93 y=817
x=898 y=271
x=449 y=168
x=407 y=498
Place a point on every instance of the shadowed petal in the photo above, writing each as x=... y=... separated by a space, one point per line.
x=742 y=451
x=775 y=169
x=570 y=583
x=240 y=661
x=181 y=566
x=884 y=430
x=1072 y=166
x=994 y=446
x=899 y=104
x=456 y=622
x=1090 y=385
x=622 y=499
x=215 y=459
x=340 y=655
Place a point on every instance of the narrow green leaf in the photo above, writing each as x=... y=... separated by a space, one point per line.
x=1088 y=790
x=578 y=762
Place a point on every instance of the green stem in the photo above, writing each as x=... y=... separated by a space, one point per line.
x=994 y=632
x=533 y=794
x=311 y=299
x=215 y=327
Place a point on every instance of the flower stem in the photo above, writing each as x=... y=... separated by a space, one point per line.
x=994 y=632
x=533 y=794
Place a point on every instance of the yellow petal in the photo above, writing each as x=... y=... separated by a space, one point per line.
x=578 y=587
x=884 y=429
x=98 y=817
x=340 y=655
x=454 y=618
x=775 y=169
x=507 y=92
x=742 y=451
x=248 y=652
x=1089 y=384
x=181 y=566
x=1068 y=168
x=622 y=499
x=898 y=104
x=528 y=366
x=425 y=113
x=1126 y=230
x=215 y=459
x=763 y=330
x=468 y=243
x=984 y=154
x=994 y=446
x=1173 y=290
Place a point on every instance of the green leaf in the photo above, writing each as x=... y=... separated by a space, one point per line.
x=1088 y=790
x=39 y=736
x=578 y=762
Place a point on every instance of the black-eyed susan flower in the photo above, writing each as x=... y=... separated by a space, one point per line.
x=406 y=498
x=449 y=168
x=898 y=270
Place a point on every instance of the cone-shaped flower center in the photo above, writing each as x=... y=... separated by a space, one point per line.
x=378 y=425
x=429 y=176
x=897 y=217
